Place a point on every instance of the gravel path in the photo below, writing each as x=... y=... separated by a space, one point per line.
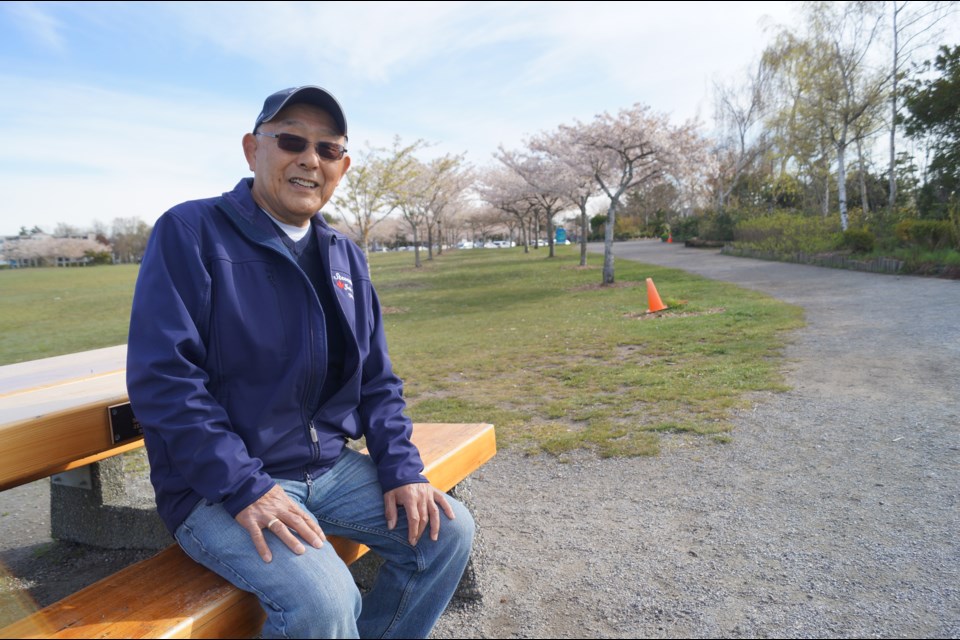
x=833 y=513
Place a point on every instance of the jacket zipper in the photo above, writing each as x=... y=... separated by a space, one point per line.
x=325 y=251
x=311 y=429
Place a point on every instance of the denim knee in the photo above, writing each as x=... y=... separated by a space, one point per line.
x=321 y=611
x=459 y=532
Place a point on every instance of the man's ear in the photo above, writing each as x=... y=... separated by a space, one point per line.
x=344 y=165
x=250 y=150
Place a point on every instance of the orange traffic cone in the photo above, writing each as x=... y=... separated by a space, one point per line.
x=653 y=298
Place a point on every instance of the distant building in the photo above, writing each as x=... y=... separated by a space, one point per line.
x=43 y=250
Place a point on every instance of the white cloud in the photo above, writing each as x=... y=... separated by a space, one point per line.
x=366 y=41
x=75 y=154
x=37 y=24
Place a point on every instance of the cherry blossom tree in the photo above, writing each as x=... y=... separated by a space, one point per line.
x=544 y=174
x=368 y=192
x=574 y=179
x=450 y=177
x=410 y=199
x=634 y=147
x=431 y=191
x=504 y=190
x=44 y=250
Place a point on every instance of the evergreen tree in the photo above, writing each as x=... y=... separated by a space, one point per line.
x=933 y=106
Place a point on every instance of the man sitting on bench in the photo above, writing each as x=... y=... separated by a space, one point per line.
x=256 y=350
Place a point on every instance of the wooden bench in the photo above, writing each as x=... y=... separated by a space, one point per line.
x=54 y=418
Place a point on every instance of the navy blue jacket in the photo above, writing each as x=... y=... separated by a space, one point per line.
x=227 y=350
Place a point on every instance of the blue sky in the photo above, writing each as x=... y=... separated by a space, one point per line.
x=122 y=109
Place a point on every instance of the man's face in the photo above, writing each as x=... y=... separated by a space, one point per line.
x=294 y=186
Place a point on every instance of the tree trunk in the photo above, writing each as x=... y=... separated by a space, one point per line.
x=842 y=182
x=892 y=198
x=584 y=229
x=416 y=249
x=550 y=234
x=826 y=192
x=365 y=237
x=864 y=196
x=429 y=241
x=608 y=243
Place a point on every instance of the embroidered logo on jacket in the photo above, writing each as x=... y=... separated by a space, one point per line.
x=344 y=284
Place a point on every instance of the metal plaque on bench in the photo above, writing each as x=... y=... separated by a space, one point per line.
x=123 y=424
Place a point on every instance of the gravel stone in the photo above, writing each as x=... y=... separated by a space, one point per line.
x=832 y=513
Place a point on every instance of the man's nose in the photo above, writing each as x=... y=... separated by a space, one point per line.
x=309 y=158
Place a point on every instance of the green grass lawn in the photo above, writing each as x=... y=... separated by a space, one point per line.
x=50 y=311
x=528 y=343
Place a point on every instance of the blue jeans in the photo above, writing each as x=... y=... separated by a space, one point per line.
x=313 y=595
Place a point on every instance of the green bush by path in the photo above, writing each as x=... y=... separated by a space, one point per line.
x=922 y=247
x=528 y=343
x=786 y=233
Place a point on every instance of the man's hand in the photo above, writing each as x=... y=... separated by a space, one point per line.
x=278 y=513
x=420 y=501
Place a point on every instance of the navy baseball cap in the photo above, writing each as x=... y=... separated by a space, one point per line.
x=307 y=94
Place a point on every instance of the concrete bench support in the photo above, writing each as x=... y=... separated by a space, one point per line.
x=105 y=505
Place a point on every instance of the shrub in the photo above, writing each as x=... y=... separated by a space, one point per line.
x=943 y=262
x=686 y=228
x=719 y=226
x=857 y=241
x=99 y=257
x=927 y=234
x=788 y=233
x=596 y=226
x=627 y=227
x=883 y=224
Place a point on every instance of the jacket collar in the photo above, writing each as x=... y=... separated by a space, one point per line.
x=240 y=207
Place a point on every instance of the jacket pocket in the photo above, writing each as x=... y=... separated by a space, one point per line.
x=250 y=320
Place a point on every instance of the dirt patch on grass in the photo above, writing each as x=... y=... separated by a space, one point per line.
x=666 y=313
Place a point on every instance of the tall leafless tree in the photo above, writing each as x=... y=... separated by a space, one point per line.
x=913 y=25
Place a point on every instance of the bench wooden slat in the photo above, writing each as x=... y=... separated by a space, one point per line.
x=48 y=443
x=452 y=448
x=59 y=370
x=53 y=413
x=39 y=401
x=198 y=600
x=168 y=595
x=113 y=597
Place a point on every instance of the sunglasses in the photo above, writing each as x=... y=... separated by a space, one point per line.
x=296 y=144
